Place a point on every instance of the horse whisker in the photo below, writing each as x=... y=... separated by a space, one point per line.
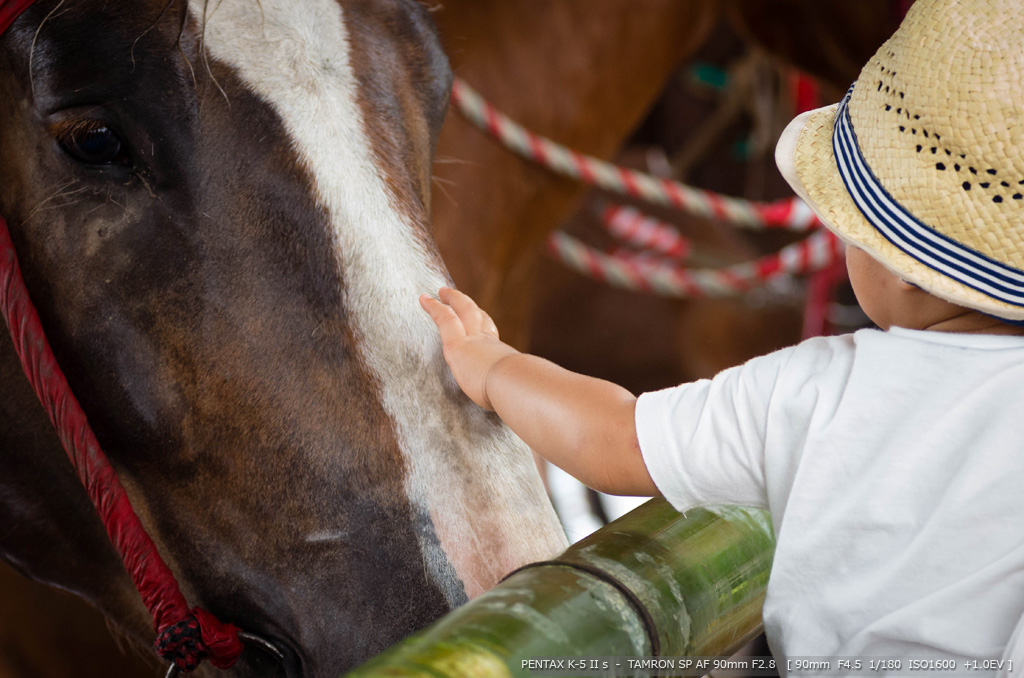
x=32 y=49
x=61 y=192
x=53 y=207
x=181 y=51
x=151 y=27
x=452 y=160
x=207 y=15
x=440 y=183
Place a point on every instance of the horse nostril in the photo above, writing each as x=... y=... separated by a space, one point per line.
x=285 y=659
x=263 y=645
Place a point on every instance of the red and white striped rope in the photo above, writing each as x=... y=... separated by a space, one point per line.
x=814 y=253
x=656 y=269
x=653 y=236
x=790 y=213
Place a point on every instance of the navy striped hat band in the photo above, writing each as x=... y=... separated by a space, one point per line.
x=908 y=233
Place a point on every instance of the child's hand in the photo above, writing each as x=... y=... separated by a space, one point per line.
x=470 y=341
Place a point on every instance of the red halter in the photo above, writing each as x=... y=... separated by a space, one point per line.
x=9 y=11
x=184 y=637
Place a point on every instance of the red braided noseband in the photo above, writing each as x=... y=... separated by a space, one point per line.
x=9 y=11
x=184 y=636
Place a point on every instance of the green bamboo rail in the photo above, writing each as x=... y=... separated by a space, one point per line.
x=653 y=582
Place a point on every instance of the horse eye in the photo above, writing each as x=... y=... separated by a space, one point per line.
x=92 y=143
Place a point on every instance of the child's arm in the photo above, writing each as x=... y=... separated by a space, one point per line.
x=581 y=424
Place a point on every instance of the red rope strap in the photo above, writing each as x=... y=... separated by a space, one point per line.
x=10 y=10
x=184 y=636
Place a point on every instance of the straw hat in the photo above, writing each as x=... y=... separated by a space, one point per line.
x=922 y=163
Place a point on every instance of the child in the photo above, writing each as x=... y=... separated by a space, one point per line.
x=891 y=460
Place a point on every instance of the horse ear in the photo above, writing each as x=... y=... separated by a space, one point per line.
x=430 y=64
x=407 y=81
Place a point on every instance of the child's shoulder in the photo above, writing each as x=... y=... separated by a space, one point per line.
x=897 y=339
x=897 y=353
x=822 y=349
x=900 y=354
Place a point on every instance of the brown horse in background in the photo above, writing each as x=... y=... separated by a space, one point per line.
x=584 y=74
x=587 y=76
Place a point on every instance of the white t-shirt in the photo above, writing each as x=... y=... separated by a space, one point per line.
x=893 y=467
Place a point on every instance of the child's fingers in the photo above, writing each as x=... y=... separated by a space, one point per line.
x=447 y=321
x=474 y=319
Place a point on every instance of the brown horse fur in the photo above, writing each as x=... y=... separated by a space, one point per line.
x=211 y=316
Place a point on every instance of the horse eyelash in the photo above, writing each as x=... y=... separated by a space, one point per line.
x=65 y=131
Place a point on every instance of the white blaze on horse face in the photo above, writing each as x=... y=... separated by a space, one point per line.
x=467 y=474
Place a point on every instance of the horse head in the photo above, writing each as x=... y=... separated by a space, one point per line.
x=220 y=208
